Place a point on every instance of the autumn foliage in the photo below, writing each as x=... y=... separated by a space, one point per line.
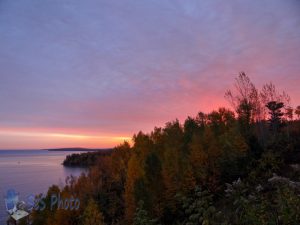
x=212 y=169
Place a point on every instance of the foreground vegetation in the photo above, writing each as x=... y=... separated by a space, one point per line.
x=224 y=167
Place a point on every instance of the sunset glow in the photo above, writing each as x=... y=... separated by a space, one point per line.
x=93 y=73
x=46 y=139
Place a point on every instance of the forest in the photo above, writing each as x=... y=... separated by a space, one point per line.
x=85 y=159
x=238 y=166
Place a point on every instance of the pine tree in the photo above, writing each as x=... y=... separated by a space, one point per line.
x=275 y=114
x=297 y=112
x=141 y=216
x=199 y=209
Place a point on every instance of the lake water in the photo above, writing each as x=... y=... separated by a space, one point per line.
x=31 y=172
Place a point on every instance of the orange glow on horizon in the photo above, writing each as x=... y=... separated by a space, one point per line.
x=22 y=139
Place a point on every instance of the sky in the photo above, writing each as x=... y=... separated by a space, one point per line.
x=92 y=73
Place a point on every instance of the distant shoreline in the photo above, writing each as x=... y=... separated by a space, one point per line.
x=77 y=149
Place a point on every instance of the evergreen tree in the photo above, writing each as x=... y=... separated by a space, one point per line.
x=199 y=209
x=141 y=216
x=297 y=112
x=275 y=114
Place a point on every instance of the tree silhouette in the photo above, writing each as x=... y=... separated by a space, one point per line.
x=275 y=114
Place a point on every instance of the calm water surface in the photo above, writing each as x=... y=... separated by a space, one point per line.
x=31 y=172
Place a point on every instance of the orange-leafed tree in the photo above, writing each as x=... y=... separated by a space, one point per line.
x=135 y=172
x=92 y=214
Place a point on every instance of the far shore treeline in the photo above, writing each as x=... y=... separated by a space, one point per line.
x=77 y=149
x=230 y=167
x=85 y=159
